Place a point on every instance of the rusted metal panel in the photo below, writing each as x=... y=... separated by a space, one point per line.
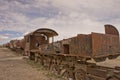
x=85 y=45
x=103 y=72
x=27 y=45
x=35 y=41
x=32 y=42
x=70 y=46
x=46 y=31
x=57 y=46
x=104 y=44
x=16 y=44
x=66 y=46
x=110 y=29
x=80 y=45
x=74 y=46
x=38 y=37
x=97 y=72
x=22 y=44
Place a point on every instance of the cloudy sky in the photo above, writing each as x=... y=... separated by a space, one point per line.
x=67 y=17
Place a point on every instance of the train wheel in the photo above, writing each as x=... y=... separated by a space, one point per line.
x=80 y=74
x=67 y=74
x=54 y=66
x=100 y=59
x=55 y=69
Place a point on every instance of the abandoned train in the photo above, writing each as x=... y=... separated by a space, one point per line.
x=68 y=57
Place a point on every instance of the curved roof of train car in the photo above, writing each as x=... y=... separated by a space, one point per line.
x=110 y=29
x=46 y=31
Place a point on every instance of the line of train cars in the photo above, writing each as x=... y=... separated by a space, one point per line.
x=69 y=57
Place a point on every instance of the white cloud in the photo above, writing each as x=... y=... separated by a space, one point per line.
x=3 y=37
x=68 y=17
x=18 y=38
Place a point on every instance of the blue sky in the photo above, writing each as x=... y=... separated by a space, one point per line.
x=67 y=17
x=6 y=35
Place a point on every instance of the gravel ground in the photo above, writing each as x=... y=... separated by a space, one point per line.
x=14 y=67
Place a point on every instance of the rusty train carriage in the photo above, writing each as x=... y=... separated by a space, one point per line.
x=22 y=43
x=14 y=45
x=37 y=38
x=68 y=57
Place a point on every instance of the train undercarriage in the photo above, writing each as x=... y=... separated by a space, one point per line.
x=69 y=57
x=75 y=68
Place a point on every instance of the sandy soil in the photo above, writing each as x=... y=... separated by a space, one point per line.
x=109 y=63
x=14 y=67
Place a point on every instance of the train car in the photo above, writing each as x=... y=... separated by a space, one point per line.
x=69 y=57
x=95 y=45
x=15 y=45
x=7 y=45
x=11 y=44
x=36 y=38
x=21 y=46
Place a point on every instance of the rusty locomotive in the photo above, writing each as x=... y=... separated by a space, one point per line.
x=69 y=57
